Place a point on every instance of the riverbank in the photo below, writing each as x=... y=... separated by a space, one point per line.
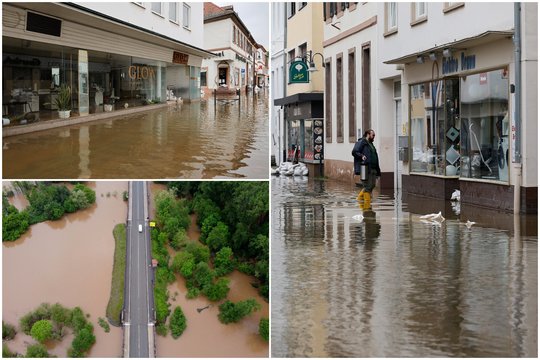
x=75 y=120
x=116 y=301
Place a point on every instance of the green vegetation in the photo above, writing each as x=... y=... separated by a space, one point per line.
x=41 y=330
x=231 y=312
x=8 y=331
x=125 y=196
x=223 y=262
x=218 y=290
x=116 y=300
x=37 y=351
x=104 y=324
x=59 y=317
x=6 y=352
x=264 y=328
x=177 y=322
x=47 y=202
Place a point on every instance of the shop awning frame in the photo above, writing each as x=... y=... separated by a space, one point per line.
x=458 y=45
x=299 y=98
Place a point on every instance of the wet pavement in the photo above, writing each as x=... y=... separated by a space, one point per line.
x=390 y=285
x=191 y=141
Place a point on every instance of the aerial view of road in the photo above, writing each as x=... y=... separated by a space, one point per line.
x=138 y=322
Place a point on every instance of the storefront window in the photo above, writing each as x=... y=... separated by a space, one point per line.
x=485 y=125
x=294 y=139
x=308 y=135
x=434 y=135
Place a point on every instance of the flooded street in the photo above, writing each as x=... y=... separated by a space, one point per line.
x=68 y=261
x=205 y=335
x=393 y=286
x=194 y=140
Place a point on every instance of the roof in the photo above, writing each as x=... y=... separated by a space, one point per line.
x=458 y=45
x=211 y=9
x=213 y=13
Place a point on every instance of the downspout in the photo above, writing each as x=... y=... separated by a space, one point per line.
x=517 y=109
x=285 y=74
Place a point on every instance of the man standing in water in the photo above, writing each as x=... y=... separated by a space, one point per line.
x=364 y=153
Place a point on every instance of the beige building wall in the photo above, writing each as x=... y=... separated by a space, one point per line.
x=306 y=26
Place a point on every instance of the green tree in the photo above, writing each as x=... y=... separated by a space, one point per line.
x=264 y=328
x=202 y=275
x=104 y=324
x=37 y=351
x=6 y=352
x=90 y=194
x=200 y=252
x=184 y=264
x=178 y=322
x=218 y=237
x=14 y=223
x=179 y=240
x=84 y=340
x=231 y=312
x=42 y=330
x=8 y=331
x=223 y=262
x=79 y=199
x=218 y=290
x=207 y=225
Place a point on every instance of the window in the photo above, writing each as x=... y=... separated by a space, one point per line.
x=352 y=96
x=366 y=87
x=173 y=12
x=449 y=6
x=339 y=98
x=156 y=7
x=234 y=34
x=186 y=18
x=302 y=50
x=291 y=9
x=302 y=5
x=328 y=101
x=419 y=12
x=292 y=55
x=139 y=3
x=203 y=78
x=390 y=18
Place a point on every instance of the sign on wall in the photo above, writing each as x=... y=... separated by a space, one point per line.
x=298 y=72
x=180 y=58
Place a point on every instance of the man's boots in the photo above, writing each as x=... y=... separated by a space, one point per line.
x=367 y=200
x=360 y=196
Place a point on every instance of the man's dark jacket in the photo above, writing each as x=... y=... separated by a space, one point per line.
x=372 y=159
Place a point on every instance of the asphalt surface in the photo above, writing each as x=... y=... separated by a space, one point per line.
x=139 y=289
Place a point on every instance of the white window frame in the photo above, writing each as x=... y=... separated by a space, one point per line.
x=141 y=4
x=390 y=18
x=175 y=5
x=449 y=6
x=417 y=16
x=184 y=8
x=160 y=13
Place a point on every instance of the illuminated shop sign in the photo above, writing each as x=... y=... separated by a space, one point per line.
x=463 y=63
x=136 y=72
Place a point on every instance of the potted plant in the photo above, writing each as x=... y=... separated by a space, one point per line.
x=63 y=101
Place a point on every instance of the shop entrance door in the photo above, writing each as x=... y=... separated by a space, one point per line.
x=222 y=76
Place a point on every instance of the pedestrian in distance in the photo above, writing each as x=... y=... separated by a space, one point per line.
x=364 y=153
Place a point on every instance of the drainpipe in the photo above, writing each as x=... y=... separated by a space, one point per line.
x=517 y=109
x=285 y=74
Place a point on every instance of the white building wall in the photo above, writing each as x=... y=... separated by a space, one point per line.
x=277 y=78
x=142 y=16
x=218 y=35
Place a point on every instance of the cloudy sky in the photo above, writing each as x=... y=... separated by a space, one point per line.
x=255 y=16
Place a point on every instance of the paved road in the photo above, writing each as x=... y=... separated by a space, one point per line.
x=139 y=290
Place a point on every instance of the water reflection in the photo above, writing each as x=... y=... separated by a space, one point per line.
x=390 y=285
x=194 y=140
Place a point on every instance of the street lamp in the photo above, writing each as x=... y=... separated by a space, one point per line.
x=312 y=67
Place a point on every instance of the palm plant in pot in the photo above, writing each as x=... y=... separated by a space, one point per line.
x=63 y=101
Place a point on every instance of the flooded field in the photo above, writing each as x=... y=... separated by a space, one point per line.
x=67 y=261
x=190 y=141
x=390 y=285
x=205 y=335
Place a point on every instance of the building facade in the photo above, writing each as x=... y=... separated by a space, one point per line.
x=261 y=66
x=227 y=37
x=303 y=101
x=278 y=86
x=470 y=121
x=124 y=55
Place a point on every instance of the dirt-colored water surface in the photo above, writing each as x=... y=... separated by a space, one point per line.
x=68 y=261
x=205 y=336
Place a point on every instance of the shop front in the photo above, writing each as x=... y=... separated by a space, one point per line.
x=304 y=129
x=460 y=125
x=68 y=61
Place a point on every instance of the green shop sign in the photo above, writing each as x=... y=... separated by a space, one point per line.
x=298 y=72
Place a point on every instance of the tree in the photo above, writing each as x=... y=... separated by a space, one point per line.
x=37 y=351
x=6 y=352
x=79 y=199
x=231 y=312
x=264 y=328
x=202 y=275
x=41 y=330
x=223 y=262
x=200 y=252
x=14 y=223
x=84 y=340
x=218 y=290
x=90 y=194
x=183 y=263
x=218 y=237
x=8 y=331
x=207 y=225
x=177 y=322
x=179 y=240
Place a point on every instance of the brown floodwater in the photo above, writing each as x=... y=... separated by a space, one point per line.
x=68 y=261
x=197 y=140
x=205 y=336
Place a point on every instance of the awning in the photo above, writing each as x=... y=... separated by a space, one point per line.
x=299 y=98
x=457 y=45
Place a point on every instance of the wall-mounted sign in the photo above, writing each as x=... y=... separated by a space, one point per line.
x=136 y=72
x=180 y=58
x=298 y=72
x=452 y=64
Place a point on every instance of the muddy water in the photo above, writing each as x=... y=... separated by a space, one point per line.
x=193 y=141
x=205 y=336
x=67 y=261
x=393 y=286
